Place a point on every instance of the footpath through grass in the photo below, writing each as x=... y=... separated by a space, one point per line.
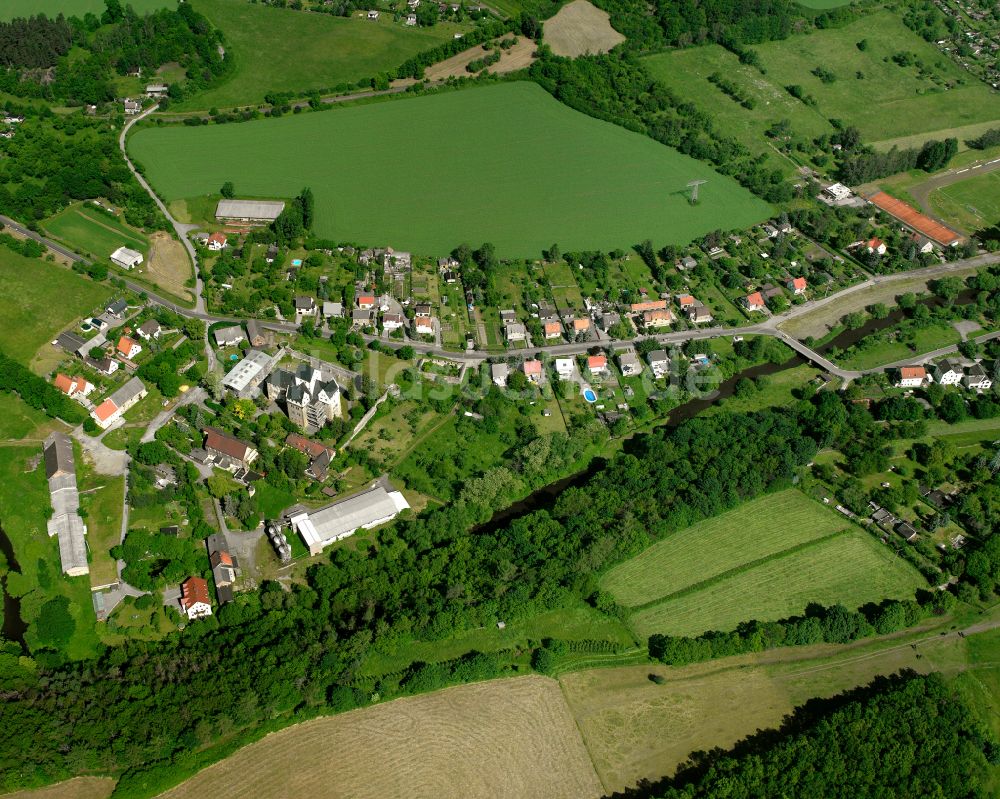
x=767 y=559
x=94 y=232
x=505 y=163
x=282 y=50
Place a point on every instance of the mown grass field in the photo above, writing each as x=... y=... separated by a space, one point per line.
x=971 y=204
x=51 y=8
x=752 y=531
x=93 y=232
x=281 y=50
x=516 y=168
x=512 y=738
x=79 y=788
x=880 y=351
x=18 y=421
x=44 y=298
x=889 y=100
x=767 y=559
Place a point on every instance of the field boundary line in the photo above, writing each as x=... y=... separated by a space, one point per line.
x=583 y=738
x=742 y=568
x=100 y=224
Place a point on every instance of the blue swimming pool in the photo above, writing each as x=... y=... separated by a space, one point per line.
x=589 y=395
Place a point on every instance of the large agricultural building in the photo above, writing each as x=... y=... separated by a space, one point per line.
x=65 y=522
x=244 y=378
x=322 y=527
x=261 y=211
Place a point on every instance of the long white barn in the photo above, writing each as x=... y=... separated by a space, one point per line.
x=322 y=527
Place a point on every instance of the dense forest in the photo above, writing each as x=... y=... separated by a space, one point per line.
x=903 y=736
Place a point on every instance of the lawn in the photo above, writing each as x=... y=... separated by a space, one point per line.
x=26 y=8
x=516 y=168
x=102 y=499
x=42 y=299
x=875 y=350
x=889 y=100
x=272 y=501
x=24 y=503
x=19 y=421
x=281 y=50
x=716 y=546
x=972 y=204
x=851 y=568
x=93 y=232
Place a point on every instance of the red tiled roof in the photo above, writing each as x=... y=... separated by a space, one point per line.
x=913 y=371
x=64 y=384
x=125 y=345
x=219 y=556
x=553 y=327
x=755 y=299
x=219 y=237
x=649 y=305
x=194 y=589
x=105 y=409
x=225 y=443
x=581 y=324
x=657 y=315
x=798 y=283
x=685 y=300
x=303 y=444
x=533 y=367
x=597 y=362
x=875 y=243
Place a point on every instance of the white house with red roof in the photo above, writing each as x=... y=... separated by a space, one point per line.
x=754 y=301
x=912 y=377
x=876 y=245
x=128 y=347
x=658 y=317
x=597 y=364
x=424 y=325
x=73 y=386
x=533 y=370
x=366 y=301
x=195 y=601
x=797 y=285
x=115 y=406
x=216 y=242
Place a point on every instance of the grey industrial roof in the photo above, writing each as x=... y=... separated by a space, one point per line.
x=249 y=209
x=65 y=521
x=362 y=510
x=247 y=370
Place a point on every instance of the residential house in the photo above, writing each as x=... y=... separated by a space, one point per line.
x=319 y=455
x=685 y=301
x=227 y=451
x=533 y=370
x=256 y=334
x=126 y=258
x=581 y=327
x=194 y=598
x=597 y=365
x=107 y=366
x=699 y=314
x=422 y=309
x=446 y=264
x=229 y=336
x=156 y=90
x=609 y=320
x=552 y=330
x=128 y=348
x=499 y=372
x=912 y=377
x=117 y=308
x=362 y=318
x=305 y=308
x=393 y=321
x=118 y=403
x=875 y=245
x=659 y=317
x=924 y=245
x=366 y=302
x=686 y=263
x=396 y=262
x=73 y=386
x=796 y=285
x=333 y=310
x=659 y=362
x=565 y=368
x=754 y=302
x=311 y=398
x=976 y=378
x=648 y=305
x=515 y=331
x=149 y=330
x=948 y=372
x=424 y=325
x=629 y=363
x=508 y=316
x=224 y=575
x=132 y=107
x=906 y=531
x=770 y=230
x=216 y=242
x=373 y=15
x=771 y=291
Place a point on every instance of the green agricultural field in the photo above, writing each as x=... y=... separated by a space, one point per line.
x=26 y=8
x=280 y=50
x=44 y=298
x=686 y=73
x=19 y=422
x=851 y=568
x=751 y=532
x=516 y=168
x=93 y=232
x=763 y=560
x=972 y=204
x=886 y=100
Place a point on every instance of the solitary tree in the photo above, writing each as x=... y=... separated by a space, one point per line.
x=228 y=190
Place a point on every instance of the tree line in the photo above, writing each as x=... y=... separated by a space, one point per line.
x=37 y=392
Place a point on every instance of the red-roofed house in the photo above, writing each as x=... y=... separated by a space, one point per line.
x=217 y=241
x=876 y=245
x=552 y=330
x=228 y=450
x=366 y=301
x=194 y=598
x=597 y=364
x=686 y=301
x=649 y=305
x=658 y=317
x=533 y=370
x=754 y=302
x=105 y=413
x=72 y=386
x=912 y=377
x=128 y=348
x=581 y=325
x=797 y=285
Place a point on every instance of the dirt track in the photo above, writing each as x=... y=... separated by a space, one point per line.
x=517 y=57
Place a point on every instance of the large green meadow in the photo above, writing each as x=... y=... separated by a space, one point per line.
x=869 y=89
x=93 y=232
x=766 y=559
x=281 y=50
x=9 y=9
x=505 y=163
